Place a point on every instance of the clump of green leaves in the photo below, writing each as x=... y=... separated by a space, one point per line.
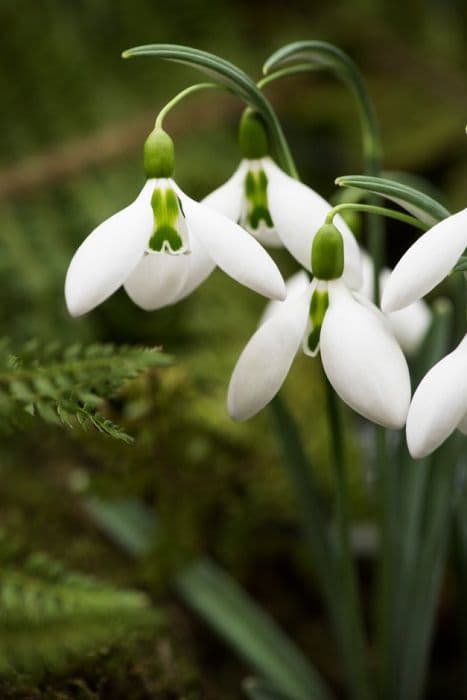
x=67 y=385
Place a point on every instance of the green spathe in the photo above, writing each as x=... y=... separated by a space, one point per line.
x=327 y=253
x=252 y=135
x=159 y=154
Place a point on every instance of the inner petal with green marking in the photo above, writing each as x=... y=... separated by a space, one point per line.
x=256 y=196
x=318 y=307
x=170 y=233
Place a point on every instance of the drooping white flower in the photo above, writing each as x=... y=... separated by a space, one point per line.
x=161 y=247
x=274 y=207
x=360 y=356
x=410 y=324
x=439 y=404
x=426 y=263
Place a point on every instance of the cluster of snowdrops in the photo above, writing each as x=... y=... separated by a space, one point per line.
x=164 y=245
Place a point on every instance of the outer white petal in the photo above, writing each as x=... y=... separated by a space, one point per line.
x=227 y=199
x=266 y=359
x=294 y=286
x=428 y=261
x=157 y=280
x=363 y=361
x=200 y=267
x=109 y=254
x=463 y=425
x=233 y=249
x=439 y=404
x=410 y=324
x=298 y=212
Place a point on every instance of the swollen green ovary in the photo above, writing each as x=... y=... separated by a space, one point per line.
x=256 y=194
x=167 y=236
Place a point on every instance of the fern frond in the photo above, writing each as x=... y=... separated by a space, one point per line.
x=51 y=615
x=68 y=385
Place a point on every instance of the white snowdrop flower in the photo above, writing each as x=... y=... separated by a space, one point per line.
x=274 y=207
x=410 y=324
x=360 y=356
x=439 y=405
x=163 y=245
x=426 y=263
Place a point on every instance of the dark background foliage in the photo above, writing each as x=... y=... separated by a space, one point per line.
x=73 y=119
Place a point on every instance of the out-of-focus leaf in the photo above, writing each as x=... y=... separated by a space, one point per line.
x=256 y=637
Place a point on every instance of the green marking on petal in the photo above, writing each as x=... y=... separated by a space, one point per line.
x=256 y=193
x=166 y=237
x=318 y=307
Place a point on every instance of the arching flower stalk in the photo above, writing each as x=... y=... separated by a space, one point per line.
x=439 y=405
x=163 y=245
x=275 y=208
x=360 y=356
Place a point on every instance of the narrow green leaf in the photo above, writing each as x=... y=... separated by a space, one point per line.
x=462 y=264
x=420 y=537
x=255 y=635
x=128 y=523
x=415 y=202
x=261 y=690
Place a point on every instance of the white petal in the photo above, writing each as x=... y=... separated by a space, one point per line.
x=109 y=254
x=439 y=404
x=157 y=280
x=298 y=212
x=363 y=361
x=200 y=267
x=234 y=250
x=427 y=262
x=463 y=425
x=227 y=199
x=266 y=359
x=294 y=286
x=409 y=325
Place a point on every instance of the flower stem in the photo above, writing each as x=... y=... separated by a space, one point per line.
x=181 y=96
x=382 y=211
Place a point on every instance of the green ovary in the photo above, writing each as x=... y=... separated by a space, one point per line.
x=256 y=185
x=166 y=208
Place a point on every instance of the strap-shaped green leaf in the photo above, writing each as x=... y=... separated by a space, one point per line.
x=255 y=635
x=232 y=78
x=257 y=689
x=415 y=202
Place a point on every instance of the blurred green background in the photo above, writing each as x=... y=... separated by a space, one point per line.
x=74 y=117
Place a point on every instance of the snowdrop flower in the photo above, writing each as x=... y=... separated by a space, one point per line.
x=409 y=325
x=360 y=356
x=275 y=208
x=163 y=245
x=426 y=263
x=439 y=405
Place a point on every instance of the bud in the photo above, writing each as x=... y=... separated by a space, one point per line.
x=252 y=135
x=159 y=155
x=327 y=253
